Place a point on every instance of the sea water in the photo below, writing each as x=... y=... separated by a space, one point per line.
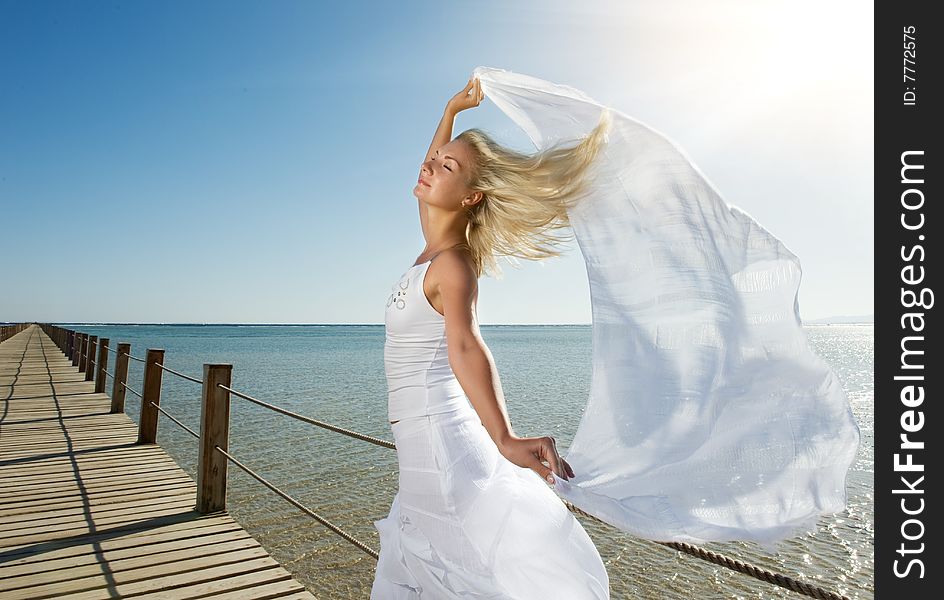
x=334 y=373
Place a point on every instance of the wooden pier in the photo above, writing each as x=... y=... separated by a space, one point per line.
x=87 y=512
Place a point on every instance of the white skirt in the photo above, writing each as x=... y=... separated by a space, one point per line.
x=468 y=523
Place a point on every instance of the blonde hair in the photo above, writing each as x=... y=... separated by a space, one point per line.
x=525 y=196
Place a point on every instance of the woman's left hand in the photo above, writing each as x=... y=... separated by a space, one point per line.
x=528 y=452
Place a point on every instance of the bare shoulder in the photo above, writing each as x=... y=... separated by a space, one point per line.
x=452 y=285
x=454 y=268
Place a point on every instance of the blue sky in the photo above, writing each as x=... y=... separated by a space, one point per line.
x=253 y=162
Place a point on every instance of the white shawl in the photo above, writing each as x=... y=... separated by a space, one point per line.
x=709 y=417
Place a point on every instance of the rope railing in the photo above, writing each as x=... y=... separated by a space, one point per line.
x=171 y=417
x=716 y=558
x=130 y=389
x=755 y=572
x=735 y=565
x=347 y=432
x=692 y=550
x=168 y=369
x=134 y=357
x=301 y=506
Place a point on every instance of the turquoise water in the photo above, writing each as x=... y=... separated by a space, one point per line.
x=335 y=373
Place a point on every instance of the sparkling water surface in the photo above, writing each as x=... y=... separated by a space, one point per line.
x=335 y=373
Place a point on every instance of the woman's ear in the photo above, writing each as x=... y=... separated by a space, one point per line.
x=473 y=199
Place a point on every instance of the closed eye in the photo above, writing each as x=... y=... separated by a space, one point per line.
x=444 y=164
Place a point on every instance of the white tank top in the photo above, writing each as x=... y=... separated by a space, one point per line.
x=419 y=378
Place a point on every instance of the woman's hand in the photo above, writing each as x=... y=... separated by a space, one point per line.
x=469 y=97
x=528 y=452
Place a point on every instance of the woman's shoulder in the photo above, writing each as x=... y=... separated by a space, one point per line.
x=454 y=267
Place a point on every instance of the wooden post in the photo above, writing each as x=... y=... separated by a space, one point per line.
x=101 y=366
x=90 y=366
x=214 y=431
x=121 y=377
x=70 y=345
x=78 y=349
x=83 y=342
x=147 y=428
x=83 y=359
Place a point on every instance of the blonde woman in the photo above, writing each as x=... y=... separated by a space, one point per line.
x=473 y=516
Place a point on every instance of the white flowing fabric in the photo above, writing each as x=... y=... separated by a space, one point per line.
x=709 y=416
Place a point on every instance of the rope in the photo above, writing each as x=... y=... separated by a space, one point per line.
x=347 y=432
x=777 y=579
x=737 y=565
x=706 y=555
x=301 y=506
x=134 y=357
x=756 y=572
x=179 y=374
x=124 y=385
x=168 y=415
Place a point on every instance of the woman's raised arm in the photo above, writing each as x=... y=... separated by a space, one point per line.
x=469 y=97
x=442 y=137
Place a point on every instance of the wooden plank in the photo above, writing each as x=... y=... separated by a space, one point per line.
x=91 y=564
x=186 y=524
x=85 y=512
x=88 y=465
x=83 y=577
x=146 y=578
x=286 y=588
x=33 y=535
x=106 y=496
x=137 y=540
x=211 y=581
x=130 y=505
x=93 y=483
x=15 y=475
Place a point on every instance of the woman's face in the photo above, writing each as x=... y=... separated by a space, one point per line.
x=443 y=179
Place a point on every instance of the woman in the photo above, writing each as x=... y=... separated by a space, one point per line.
x=472 y=517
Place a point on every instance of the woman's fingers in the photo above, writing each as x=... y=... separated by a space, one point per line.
x=570 y=471
x=554 y=460
x=475 y=93
x=471 y=95
x=533 y=453
x=556 y=465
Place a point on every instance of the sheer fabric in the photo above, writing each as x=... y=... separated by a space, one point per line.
x=709 y=416
x=467 y=523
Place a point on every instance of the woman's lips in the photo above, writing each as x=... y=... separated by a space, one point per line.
x=421 y=181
